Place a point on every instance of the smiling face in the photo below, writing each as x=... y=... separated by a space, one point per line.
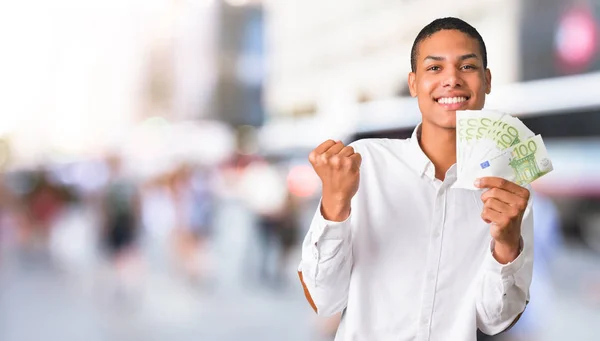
x=449 y=76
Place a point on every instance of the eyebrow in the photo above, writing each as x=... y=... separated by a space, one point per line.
x=463 y=57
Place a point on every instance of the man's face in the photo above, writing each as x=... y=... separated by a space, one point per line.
x=449 y=76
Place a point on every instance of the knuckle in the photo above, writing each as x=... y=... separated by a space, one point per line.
x=335 y=161
x=503 y=182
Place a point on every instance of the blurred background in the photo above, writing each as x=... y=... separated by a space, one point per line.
x=154 y=177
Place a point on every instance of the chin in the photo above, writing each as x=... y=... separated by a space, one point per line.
x=449 y=125
x=449 y=120
x=443 y=123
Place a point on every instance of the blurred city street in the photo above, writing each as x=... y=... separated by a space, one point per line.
x=40 y=300
x=154 y=173
x=43 y=298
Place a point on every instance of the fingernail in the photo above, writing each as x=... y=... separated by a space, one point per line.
x=477 y=183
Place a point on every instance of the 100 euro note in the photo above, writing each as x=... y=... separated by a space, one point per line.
x=505 y=132
x=471 y=127
x=521 y=164
x=483 y=133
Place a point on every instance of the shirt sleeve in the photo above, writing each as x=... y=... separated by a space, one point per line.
x=326 y=263
x=503 y=292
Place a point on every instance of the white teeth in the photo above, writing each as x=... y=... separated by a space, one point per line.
x=451 y=100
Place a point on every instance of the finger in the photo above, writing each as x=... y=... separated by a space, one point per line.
x=491 y=216
x=491 y=182
x=346 y=151
x=356 y=160
x=323 y=147
x=502 y=195
x=498 y=206
x=333 y=150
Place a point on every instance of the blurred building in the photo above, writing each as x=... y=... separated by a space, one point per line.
x=326 y=54
x=180 y=71
x=327 y=58
x=335 y=69
x=240 y=63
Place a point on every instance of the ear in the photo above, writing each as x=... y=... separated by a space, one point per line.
x=488 y=81
x=412 y=84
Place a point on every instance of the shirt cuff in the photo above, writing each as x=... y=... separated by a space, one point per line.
x=508 y=269
x=329 y=230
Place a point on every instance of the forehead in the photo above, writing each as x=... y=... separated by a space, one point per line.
x=448 y=43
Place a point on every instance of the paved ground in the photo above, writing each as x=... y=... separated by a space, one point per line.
x=39 y=300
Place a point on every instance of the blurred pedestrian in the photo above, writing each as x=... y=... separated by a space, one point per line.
x=195 y=205
x=120 y=228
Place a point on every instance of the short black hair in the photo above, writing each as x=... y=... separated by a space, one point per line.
x=448 y=23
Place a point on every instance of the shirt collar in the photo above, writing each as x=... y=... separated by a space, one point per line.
x=420 y=162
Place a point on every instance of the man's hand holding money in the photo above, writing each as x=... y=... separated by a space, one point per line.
x=504 y=206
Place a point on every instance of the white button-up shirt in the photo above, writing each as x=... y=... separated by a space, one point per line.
x=414 y=259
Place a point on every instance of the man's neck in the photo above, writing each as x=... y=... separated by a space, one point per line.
x=439 y=145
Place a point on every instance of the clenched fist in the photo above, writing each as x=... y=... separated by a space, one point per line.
x=338 y=166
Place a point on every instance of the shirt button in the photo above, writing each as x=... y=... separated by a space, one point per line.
x=316 y=254
x=436 y=234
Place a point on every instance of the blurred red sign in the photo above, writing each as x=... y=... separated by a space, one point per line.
x=576 y=40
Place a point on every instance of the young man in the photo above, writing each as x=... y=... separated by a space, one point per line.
x=392 y=246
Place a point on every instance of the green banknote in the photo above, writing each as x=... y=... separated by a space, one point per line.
x=485 y=141
x=522 y=163
x=471 y=127
x=508 y=131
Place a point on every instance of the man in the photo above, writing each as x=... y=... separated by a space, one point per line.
x=392 y=246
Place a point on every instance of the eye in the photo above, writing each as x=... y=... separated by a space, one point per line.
x=468 y=67
x=434 y=68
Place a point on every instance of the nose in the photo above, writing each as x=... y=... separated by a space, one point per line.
x=452 y=79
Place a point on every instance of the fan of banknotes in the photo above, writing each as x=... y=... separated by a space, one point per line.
x=491 y=143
